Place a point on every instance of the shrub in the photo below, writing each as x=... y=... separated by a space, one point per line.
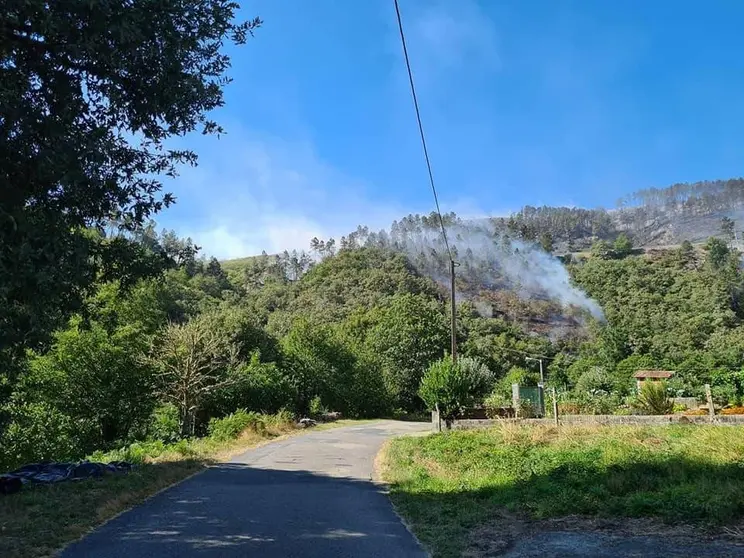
x=164 y=424
x=595 y=379
x=495 y=402
x=526 y=409
x=184 y=447
x=282 y=419
x=653 y=399
x=257 y=386
x=38 y=432
x=725 y=394
x=602 y=403
x=595 y=402
x=451 y=387
x=480 y=377
x=317 y=409
x=233 y=425
x=138 y=452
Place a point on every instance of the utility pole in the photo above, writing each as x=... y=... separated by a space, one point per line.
x=453 y=317
x=542 y=376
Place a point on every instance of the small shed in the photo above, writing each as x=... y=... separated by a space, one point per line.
x=651 y=376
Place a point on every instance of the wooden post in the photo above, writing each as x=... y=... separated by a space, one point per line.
x=555 y=406
x=709 y=397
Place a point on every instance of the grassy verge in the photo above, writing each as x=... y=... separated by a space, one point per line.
x=40 y=519
x=449 y=485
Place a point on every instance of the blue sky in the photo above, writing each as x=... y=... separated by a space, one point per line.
x=523 y=102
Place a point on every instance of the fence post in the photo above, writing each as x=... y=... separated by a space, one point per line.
x=541 y=400
x=555 y=406
x=515 y=399
x=709 y=397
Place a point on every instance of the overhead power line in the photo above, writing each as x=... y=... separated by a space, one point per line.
x=421 y=129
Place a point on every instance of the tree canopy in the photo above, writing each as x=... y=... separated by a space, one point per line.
x=90 y=93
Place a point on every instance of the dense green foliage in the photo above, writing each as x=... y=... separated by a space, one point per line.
x=448 y=486
x=355 y=332
x=89 y=94
x=450 y=387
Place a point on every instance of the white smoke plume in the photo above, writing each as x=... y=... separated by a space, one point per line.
x=497 y=259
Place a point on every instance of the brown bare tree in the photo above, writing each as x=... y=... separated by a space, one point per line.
x=193 y=360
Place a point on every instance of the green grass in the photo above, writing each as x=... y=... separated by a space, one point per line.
x=448 y=485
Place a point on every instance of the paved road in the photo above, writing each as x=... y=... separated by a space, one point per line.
x=305 y=496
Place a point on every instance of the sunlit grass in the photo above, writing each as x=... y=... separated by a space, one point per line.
x=447 y=484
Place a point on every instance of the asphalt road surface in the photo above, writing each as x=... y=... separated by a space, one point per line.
x=304 y=496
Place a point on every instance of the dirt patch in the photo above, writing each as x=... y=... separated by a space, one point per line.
x=580 y=537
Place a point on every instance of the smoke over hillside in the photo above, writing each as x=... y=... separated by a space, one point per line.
x=491 y=260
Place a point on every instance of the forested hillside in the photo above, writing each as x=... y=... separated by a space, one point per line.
x=653 y=217
x=163 y=340
x=353 y=330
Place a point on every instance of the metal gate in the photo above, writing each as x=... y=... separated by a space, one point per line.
x=534 y=396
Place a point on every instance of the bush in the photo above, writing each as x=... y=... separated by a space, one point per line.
x=233 y=425
x=138 y=452
x=444 y=388
x=516 y=375
x=282 y=419
x=526 y=409
x=451 y=387
x=317 y=409
x=596 y=402
x=602 y=403
x=595 y=379
x=480 y=377
x=185 y=448
x=257 y=386
x=653 y=399
x=38 y=432
x=164 y=424
x=495 y=402
x=725 y=394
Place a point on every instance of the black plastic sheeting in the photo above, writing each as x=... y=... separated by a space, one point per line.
x=47 y=473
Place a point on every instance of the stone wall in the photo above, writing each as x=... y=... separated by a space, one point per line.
x=640 y=420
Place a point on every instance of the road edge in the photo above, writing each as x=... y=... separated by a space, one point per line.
x=379 y=466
